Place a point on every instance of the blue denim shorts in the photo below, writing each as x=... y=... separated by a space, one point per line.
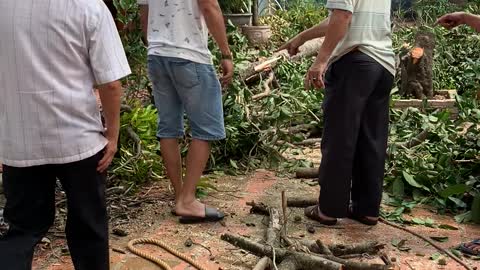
x=182 y=87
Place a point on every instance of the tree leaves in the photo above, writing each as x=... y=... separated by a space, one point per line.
x=453 y=190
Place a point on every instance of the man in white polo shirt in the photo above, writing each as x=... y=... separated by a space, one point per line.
x=52 y=54
x=356 y=66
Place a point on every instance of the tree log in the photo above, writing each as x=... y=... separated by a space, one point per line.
x=371 y=247
x=416 y=67
x=264 y=264
x=301 y=203
x=288 y=264
x=306 y=261
x=307 y=173
x=323 y=248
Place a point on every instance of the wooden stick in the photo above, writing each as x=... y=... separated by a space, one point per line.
x=266 y=86
x=309 y=141
x=301 y=202
x=266 y=64
x=284 y=210
x=307 y=173
x=428 y=241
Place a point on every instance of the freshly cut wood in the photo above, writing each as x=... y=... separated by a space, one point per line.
x=416 y=67
x=309 y=49
x=307 y=173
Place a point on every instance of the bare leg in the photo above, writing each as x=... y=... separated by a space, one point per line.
x=173 y=163
x=198 y=154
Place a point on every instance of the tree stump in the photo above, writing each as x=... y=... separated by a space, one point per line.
x=416 y=67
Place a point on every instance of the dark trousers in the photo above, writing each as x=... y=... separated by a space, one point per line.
x=30 y=212
x=354 y=142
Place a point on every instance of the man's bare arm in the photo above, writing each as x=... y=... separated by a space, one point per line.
x=144 y=22
x=293 y=45
x=110 y=96
x=316 y=31
x=337 y=29
x=216 y=25
x=455 y=19
x=472 y=21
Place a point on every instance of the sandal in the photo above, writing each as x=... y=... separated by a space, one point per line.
x=211 y=215
x=362 y=219
x=470 y=249
x=313 y=212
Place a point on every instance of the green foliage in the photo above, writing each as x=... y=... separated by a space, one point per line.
x=235 y=6
x=442 y=168
x=286 y=24
x=127 y=166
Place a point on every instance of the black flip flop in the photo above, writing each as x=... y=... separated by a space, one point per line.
x=211 y=215
x=313 y=212
x=463 y=248
x=362 y=219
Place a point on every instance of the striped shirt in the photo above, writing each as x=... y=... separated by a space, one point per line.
x=52 y=53
x=369 y=30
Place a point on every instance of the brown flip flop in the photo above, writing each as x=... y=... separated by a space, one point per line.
x=361 y=219
x=313 y=212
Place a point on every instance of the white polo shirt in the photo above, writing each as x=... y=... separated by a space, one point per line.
x=177 y=29
x=370 y=30
x=52 y=53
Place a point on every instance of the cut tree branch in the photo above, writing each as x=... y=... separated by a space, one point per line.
x=306 y=261
x=266 y=86
x=307 y=173
x=264 y=264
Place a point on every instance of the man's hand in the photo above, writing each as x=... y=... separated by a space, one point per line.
x=227 y=70
x=292 y=45
x=452 y=20
x=315 y=75
x=108 y=154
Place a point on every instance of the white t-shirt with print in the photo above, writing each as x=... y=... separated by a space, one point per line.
x=176 y=28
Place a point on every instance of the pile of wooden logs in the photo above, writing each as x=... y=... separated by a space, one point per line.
x=278 y=251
